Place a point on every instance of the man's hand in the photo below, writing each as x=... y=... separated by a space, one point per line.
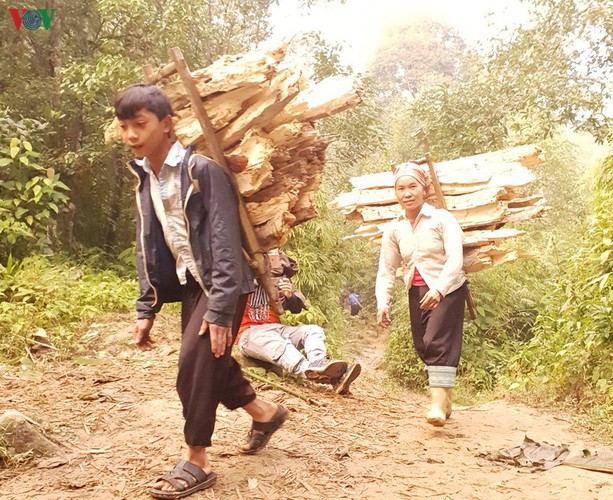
x=383 y=317
x=142 y=340
x=430 y=300
x=285 y=287
x=221 y=337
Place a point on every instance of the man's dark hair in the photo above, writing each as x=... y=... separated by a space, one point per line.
x=142 y=96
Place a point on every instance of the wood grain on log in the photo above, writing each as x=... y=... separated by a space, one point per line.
x=480 y=191
x=263 y=112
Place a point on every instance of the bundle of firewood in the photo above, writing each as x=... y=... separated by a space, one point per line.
x=482 y=192
x=263 y=111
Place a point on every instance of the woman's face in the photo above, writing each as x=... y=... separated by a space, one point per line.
x=410 y=194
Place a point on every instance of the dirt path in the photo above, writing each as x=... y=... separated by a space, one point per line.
x=121 y=424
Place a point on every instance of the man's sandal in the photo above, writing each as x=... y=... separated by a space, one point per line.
x=261 y=432
x=186 y=478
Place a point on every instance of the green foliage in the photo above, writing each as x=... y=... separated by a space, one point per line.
x=318 y=58
x=127 y=258
x=357 y=136
x=327 y=262
x=442 y=124
x=557 y=68
x=58 y=297
x=570 y=354
x=532 y=81
x=328 y=265
x=507 y=300
x=31 y=197
x=402 y=362
x=312 y=316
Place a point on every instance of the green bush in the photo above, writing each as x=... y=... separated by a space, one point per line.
x=402 y=361
x=31 y=197
x=57 y=297
x=328 y=265
x=570 y=354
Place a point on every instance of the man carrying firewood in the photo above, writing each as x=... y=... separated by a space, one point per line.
x=188 y=248
x=262 y=336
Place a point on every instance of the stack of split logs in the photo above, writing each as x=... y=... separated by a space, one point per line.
x=263 y=110
x=481 y=191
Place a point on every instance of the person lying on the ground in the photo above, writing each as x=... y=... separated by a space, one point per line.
x=262 y=336
x=204 y=269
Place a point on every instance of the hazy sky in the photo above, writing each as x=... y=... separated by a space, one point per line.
x=360 y=24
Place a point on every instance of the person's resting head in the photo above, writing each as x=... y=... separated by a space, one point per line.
x=411 y=184
x=145 y=118
x=281 y=265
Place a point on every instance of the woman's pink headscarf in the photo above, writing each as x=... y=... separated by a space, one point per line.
x=412 y=170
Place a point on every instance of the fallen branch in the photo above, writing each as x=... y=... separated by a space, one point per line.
x=281 y=387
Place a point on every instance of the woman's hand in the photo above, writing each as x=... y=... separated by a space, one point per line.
x=430 y=300
x=383 y=317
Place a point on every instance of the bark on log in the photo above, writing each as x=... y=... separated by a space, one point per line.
x=480 y=191
x=263 y=111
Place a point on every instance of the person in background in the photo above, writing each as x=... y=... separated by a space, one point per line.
x=262 y=336
x=354 y=303
x=428 y=243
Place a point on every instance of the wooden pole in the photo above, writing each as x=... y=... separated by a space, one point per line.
x=253 y=376
x=250 y=241
x=438 y=190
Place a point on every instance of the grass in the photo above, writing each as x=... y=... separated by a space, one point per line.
x=54 y=299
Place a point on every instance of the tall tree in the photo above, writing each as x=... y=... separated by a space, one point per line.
x=416 y=55
x=552 y=73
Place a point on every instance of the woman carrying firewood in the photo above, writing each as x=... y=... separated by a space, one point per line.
x=428 y=243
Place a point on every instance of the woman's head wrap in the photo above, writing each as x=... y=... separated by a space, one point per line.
x=412 y=170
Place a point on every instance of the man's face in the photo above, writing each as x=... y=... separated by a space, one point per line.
x=145 y=133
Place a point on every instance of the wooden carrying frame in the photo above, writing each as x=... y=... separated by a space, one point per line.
x=258 y=259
